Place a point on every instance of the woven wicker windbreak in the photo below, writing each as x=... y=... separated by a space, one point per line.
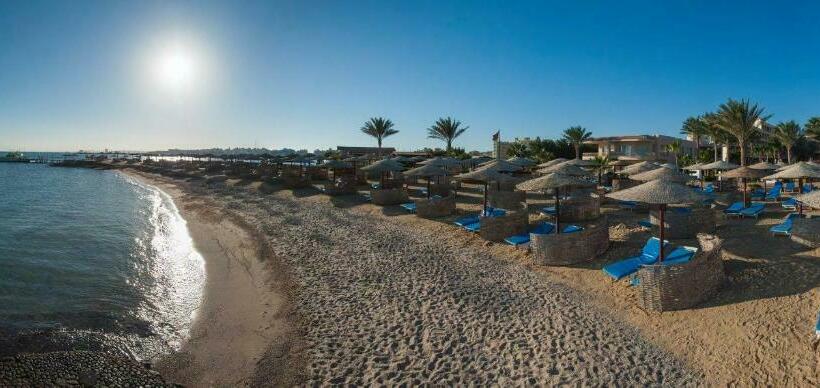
x=388 y=196
x=498 y=228
x=570 y=248
x=435 y=207
x=681 y=286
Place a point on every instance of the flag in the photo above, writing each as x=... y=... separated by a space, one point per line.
x=496 y=135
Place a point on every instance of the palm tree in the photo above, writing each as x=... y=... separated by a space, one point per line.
x=695 y=127
x=740 y=119
x=674 y=149
x=446 y=129
x=576 y=136
x=813 y=128
x=787 y=134
x=600 y=165
x=715 y=133
x=379 y=128
x=518 y=149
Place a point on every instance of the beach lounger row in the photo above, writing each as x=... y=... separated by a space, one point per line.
x=785 y=227
x=737 y=209
x=542 y=228
x=472 y=223
x=649 y=255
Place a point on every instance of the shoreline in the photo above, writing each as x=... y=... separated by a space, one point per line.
x=240 y=317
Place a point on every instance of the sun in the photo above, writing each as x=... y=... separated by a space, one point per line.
x=177 y=69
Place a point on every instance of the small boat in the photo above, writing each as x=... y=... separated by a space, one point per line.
x=14 y=157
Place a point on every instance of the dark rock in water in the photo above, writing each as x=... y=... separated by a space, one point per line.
x=76 y=368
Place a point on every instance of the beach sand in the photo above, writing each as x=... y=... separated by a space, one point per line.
x=386 y=297
x=242 y=313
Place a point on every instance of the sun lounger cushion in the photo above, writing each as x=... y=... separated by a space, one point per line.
x=625 y=267
x=785 y=227
x=790 y=203
x=679 y=255
x=542 y=228
x=410 y=207
x=645 y=223
x=807 y=188
x=753 y=211
x=549 y=211
x=492 y=212
x=774 y=193
x=789 y=186
x=474 y=227
x=464 y=221
x=572 y=228
x=734 y=208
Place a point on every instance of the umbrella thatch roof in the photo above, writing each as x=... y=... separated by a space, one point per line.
x=566 y=169
x=552 y=181
x=426 y=171
x=719 y=165
x=797 y=171
x=811 y=199
x=670 y=165
x=502 y=166
x=552 y=162
x=580 y=162
x=640 y=167
x=662 y=173
x=620 y=162
x=480 y=159
x=694 y=167
x=523 y=162
x=362 y=158
x=486 y=173
x=442 y=161
x=764 y=166
x=659 y=191
x=745 y=172
x=336 y=164
x=401 y=159
x=384 y=165
x=417 y=159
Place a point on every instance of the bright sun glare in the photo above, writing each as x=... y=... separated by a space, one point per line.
x=177 y=69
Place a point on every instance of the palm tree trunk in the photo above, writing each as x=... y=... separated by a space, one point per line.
x=742 y=144
x=449 y=145
x=577 y=151
x=715 y=145
x=789 y=154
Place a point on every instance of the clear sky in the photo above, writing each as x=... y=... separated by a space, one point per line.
x=306 y=74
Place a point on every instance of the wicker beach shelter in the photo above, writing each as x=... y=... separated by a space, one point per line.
x=662 y=173
x=811 y=199
x=799 y=171
x=428 y=172
x=382 y=167
x=743 y=174
x=553 y=181
x=659 y=192
x=333 y=165
x=523 y=162
x=486 y=174
x=552 y=162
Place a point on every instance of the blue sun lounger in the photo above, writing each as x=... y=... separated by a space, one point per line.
x=572 y=228
x=645 y=223
x=758 y=194
x=807 y=188
x=784 y=228
x=518 y=239
x=789 y=187
x=789 y=204
x=548 y=211
x=473 y=223
x=628 y=205
x=753 y=211
x=774 y=193
x=410 y=207
x=734 y=209
x=680 y=255
x=649 y=254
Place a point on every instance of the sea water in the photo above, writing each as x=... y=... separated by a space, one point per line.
x=93 y=260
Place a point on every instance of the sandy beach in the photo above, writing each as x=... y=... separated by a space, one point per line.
x=377 y=303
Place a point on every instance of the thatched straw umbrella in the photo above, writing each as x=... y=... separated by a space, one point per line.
x=672 y=166
x=799 y=171
x=720 y=165
x=580 y=162
x=662 y=173
x=486 y=174
x=658 y=192
x=639 y=167
x=812 y=199
x=427 y=171
x=743 y=173
x=554 y=181
x=442 y=161
x=382 y=167
x=764 y=166
x=523 y=162
x=552 y=162
x=566 y=169
x=334 y=165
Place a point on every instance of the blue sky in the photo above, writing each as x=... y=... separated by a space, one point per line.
x=307 y=74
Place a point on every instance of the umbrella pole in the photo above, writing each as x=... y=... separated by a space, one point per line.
x=486 y=184
x=663 y=226
x=557 y=211
x=745 y=203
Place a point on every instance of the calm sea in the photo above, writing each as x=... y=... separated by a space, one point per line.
x=92 y=260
